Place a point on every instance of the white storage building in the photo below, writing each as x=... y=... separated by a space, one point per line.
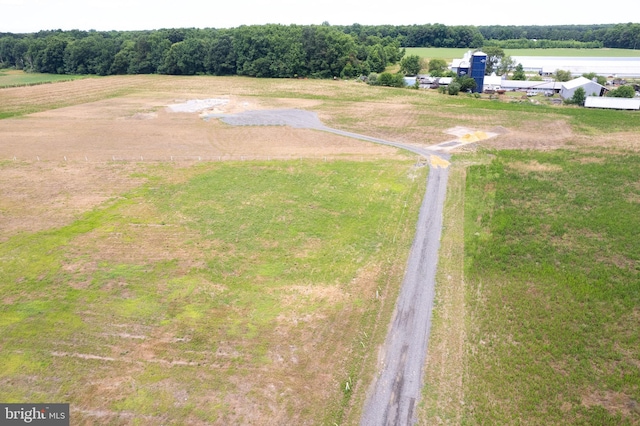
x=612 y=103
x=591 y=88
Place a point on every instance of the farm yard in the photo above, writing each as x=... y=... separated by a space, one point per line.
x=158 y=267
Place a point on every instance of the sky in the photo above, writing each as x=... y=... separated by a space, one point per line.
x=26 y=16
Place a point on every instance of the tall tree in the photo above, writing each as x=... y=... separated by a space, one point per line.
x=562 y=75
x=494 y=58
x=411 y=65
x=518 y=73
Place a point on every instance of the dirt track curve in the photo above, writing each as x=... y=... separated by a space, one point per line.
x=393 y=395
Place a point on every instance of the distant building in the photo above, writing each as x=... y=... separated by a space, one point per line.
x=591 y=88
x=492 y=82
x=618 y=67
x=472 y=64
x=612 y=103
x=547 y=87
x=478 y=67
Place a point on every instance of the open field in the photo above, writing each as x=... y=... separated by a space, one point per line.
x=222 y=293
x=15 y=78
x=166 y=288
x=451 y=53
x=552 y=245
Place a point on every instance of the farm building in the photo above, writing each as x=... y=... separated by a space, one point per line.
x=492 y=82
x=473 y=64
x=612 y=103
x=427 y=82
x=619 y=67
x=550 y=87
x=461 y=66
x=590 y=87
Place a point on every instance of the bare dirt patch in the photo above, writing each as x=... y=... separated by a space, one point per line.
x=142 y=129
x=41 y=195
x=534 y=135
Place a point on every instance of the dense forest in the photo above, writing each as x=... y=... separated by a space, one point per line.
x=321 y=51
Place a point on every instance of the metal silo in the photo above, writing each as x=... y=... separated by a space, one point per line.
x=478 y=66
x=463 y=69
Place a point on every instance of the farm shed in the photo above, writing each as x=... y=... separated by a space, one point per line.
x=590 y=87
x=536 y=86
x=612 y=103
x=492 y=82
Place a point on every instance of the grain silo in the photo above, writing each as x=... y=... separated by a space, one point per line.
x=478 y=66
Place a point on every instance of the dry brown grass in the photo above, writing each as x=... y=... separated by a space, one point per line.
x=138 y=126
x=93 y=120
x=62 y=170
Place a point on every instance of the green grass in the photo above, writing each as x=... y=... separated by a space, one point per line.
x=253 y=242
x=552 y=247
x=14 y=78
x=589 y=53
x=437 y=52
x=452 y=53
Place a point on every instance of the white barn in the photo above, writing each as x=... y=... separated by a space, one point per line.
x=591 y=88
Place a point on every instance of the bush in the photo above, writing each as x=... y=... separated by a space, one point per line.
x=466 y=83
x=387 y=79
x=622 y=92
x=454 y=88
x=578 y=98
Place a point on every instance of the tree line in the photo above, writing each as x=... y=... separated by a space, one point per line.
x=320 y=51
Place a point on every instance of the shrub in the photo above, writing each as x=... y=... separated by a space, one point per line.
x=578 y=98
x=622 y=92
x=387 y=79
x=454 y=88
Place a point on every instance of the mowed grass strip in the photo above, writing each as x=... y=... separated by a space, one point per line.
x=228 y=293
x=552 y=246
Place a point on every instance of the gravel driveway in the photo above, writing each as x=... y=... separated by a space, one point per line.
x=393 y=395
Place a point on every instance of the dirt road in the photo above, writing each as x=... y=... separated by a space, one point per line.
x=393 y=396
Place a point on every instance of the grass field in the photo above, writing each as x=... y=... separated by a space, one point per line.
x=225 y=293
x=451 y=53
x=16 y=78
x=242 y=292
x=552 y=246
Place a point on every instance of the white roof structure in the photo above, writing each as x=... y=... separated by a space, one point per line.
x=492 y=80
x=617 y=66
x=530 y=84
x=612 y=103
x=590 y=87
x=576 y=82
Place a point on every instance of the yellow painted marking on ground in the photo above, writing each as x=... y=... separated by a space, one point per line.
x=474 y=137
x=438 y=161
x=481 y=135
x=468 y=138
